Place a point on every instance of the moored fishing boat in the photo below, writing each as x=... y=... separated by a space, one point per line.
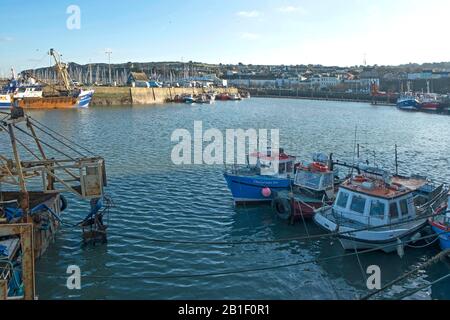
x=312 y=188
x=65 y=97
x=441 y=225
x=373 y=212
x=430 y=102
x=223 y=97
x=235 y=97
x=258 y=183
x=408 y=102
x=81 y=99
x=245 y=95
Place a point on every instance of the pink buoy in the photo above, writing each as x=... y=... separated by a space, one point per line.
x=266 y=192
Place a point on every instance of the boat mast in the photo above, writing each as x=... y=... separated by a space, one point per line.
x=61 y=69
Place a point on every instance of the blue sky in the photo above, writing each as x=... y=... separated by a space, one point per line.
x=330 y=32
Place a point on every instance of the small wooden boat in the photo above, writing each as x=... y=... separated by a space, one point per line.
x=313 y=187
x=235 y=97
x=223 y=97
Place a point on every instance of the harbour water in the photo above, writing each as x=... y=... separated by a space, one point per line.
x=159 y=200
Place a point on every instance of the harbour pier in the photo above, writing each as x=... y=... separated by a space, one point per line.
x=109 y=96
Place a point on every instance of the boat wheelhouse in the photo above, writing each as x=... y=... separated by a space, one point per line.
x=371 y=212
x=28 y=91
x=312 y=188
x=264 y=174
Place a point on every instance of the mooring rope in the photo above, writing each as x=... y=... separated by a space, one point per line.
x=425 y=265
x=230 y=272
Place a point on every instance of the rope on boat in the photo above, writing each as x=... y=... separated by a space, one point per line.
x=423 y=266
x=44 y=143
x=408 y=294
x=60 y=141
x=58 y=134
x=318 y=236
x=229 y=272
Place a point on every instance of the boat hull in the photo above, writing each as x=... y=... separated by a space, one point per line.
x=5 y=101
x=408 y=105
x=430 y=106
x=444 y=234
x=82 y=101
x=298 y=206
x=249 y=189
x=387 y=240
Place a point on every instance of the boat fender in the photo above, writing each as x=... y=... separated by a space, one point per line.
x=266 y=192
x=64 y=203
x=283 y=208
x=400 y=248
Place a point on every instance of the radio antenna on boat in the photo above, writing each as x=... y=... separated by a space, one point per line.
x=354 y=149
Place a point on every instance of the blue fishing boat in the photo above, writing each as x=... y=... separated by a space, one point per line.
x=258 y=183
x=409 y=102
x=441 y=225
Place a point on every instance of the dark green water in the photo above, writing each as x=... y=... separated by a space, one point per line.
x=157 y=199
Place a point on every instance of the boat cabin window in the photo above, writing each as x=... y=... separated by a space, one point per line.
x=308 y=179
x=342 y=199
x=289 y=167
x=404 y=207
x=285 y=167
x=358 y=204
x=377 y=209
x=393 y=210
x=327 y=180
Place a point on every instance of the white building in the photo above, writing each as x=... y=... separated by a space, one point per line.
x=325 y=81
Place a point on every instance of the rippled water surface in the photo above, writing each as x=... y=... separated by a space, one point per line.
x=156 y=199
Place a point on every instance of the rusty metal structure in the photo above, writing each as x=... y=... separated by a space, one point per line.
x=37 y=169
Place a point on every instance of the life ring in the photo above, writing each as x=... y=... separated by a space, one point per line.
x=320 y=166
x=282 y=208
x=64 y=203
x=359 y=179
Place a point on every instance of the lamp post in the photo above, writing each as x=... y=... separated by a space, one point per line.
x=109 y=52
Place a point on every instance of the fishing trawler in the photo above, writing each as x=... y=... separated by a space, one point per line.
x=39 y=211
x=375 y=210
x=408 y=102
x=258 y=183
x=66 y=96
x=312 y=188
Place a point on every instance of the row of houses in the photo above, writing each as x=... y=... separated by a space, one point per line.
x=316 y=82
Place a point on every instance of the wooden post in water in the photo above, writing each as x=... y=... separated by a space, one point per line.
x=3 y=290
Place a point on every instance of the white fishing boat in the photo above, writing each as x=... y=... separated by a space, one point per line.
x=374 y=211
